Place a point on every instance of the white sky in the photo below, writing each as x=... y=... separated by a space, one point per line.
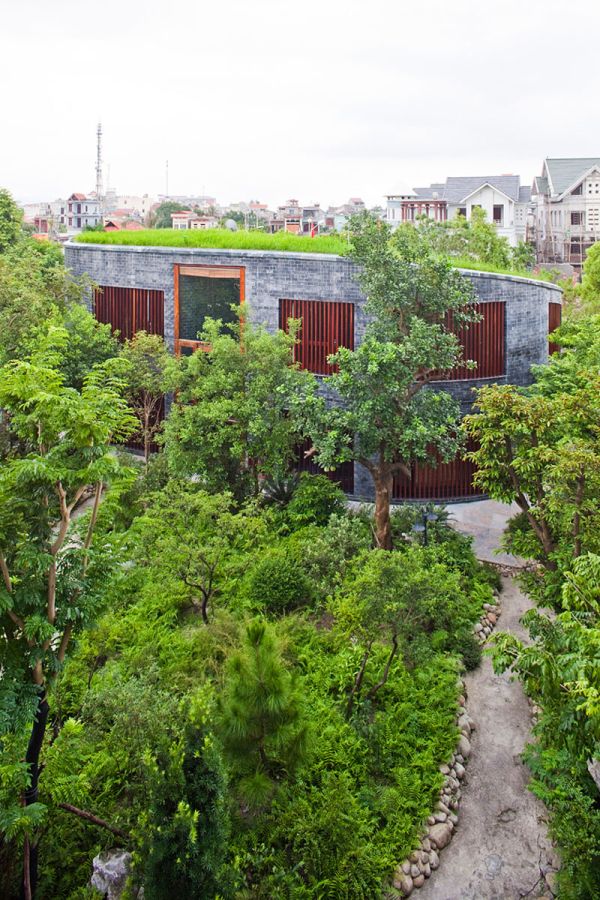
x=270 y=99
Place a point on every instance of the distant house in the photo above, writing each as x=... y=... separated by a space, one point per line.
x=82 y=211
x=116 y=223
x=187 y=219
x=566 y=210
x=505 y=201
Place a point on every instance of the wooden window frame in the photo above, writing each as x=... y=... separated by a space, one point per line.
x=200 y=271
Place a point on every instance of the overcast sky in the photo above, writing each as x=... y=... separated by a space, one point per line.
x=270 y=99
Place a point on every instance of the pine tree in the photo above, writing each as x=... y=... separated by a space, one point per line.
x=263 y=728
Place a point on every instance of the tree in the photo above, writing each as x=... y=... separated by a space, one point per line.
x=185 y=829
x=262 y=725
x=163 y=213
x=60 y=454
x=387 y=417
x=151 y=370
x=11 y=220
x=230 y=425
x=590 y=283
x=539 y=449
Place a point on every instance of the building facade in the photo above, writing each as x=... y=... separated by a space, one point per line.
x=502 y=197
x=566 y=210
x=82 y=211
x=169 y=291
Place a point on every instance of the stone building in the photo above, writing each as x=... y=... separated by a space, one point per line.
x=170 y=290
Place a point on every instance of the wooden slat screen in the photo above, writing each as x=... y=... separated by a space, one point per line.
x=128 y=310
x=483 y=342
x=447 y=481
x=326 y=326
x=554 y=320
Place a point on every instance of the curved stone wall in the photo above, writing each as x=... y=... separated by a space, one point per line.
x=273 y=276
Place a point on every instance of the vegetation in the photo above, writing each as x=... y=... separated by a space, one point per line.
x=203 y=658
x=539 y=448
x=387 y=419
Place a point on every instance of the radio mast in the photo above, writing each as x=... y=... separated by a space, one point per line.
x=99 y=188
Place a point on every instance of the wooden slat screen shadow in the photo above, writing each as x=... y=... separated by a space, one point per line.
x=447 y=481
x=326 y=326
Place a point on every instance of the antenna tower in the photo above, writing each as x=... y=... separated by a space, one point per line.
x=99 y=188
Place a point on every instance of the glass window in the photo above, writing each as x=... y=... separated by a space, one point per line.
x=202 y=297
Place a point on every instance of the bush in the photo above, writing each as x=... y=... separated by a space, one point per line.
x=278 y=582
x=469 y=649
x=314 y=501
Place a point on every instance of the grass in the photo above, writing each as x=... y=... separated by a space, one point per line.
x=222 y=239
x=219 y=239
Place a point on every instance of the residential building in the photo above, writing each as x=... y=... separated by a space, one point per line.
x=187 y=219
x=82 y=211
x=566 y=210
x=505 y=201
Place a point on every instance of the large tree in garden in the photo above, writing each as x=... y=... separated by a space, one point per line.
x=230 y=425
x=539 y=448
x=386 y=416
x=58 y=457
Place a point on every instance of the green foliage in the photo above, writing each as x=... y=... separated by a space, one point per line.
x=314 y=501
x=11 y=220
x=218 y=238
x=278 y=583
x=184 y=832
x=262 y=723
x=590 y=283
x=152 y=370
x=230 y=423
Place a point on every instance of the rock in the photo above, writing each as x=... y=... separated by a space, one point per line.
x=404 y=883
x=405 y=867
x=427 y=871
x=414 y=857
x=492 y=618
x=442 y=807
x=460 y=770
x=445 y=769
x=434 y=860
x=414 y=870
x=440 y=816
x=426 y=844
x=430 y=820
x=462 y=700
x=419 y=881
x=478 y=628
x=453 y=818
x=440 y=835
x=464 y=747
x=464 y=725
x=110 y=872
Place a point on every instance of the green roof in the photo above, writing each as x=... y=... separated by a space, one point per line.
x=219 y=239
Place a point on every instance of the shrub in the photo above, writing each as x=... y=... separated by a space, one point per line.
x=469 y=649
x=278 y=582
x=315 y=499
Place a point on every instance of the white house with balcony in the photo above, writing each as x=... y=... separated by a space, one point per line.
x=502 y=197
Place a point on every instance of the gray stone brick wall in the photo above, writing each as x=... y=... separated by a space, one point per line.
x=271 y=276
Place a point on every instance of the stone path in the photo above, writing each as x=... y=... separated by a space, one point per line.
x=485 y=520
x=500 y=850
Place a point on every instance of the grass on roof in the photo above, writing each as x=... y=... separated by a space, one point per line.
x=219 y=239
x=223 y=239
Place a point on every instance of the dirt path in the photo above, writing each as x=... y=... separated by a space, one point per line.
x=500 y=849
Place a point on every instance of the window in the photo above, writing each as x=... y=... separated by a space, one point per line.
x=462 y=211
x=203 y=292
x=577 y=218
x=325 y=327
x=499 y=214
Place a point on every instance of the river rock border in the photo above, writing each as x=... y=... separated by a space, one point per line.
x=442 y=823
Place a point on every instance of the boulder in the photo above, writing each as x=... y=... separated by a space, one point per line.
x=404 y=883
x=110 y=872
x=440 y=835
x=464 y=747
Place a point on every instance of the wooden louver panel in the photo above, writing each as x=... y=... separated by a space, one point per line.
x=446 y=481
x=325 y=327
x=554 y=320
x=482 y=341
x=128 y=310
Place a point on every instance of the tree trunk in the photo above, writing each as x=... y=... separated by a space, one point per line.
x=32 y=758
x=357 y=682
x=383 y=496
